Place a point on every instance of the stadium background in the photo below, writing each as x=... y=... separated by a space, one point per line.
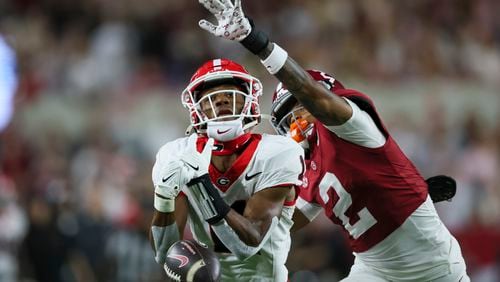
x=99 y=87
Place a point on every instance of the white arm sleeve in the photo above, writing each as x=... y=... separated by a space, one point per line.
x=164 y=237
x=360 y=129
x=231 y=240
x=309 y=210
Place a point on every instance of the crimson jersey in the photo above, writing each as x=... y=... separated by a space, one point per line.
x=368 y=191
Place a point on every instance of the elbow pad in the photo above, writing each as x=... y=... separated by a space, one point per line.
x=231 y=240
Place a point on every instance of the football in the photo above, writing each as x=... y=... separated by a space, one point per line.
x=189 y=261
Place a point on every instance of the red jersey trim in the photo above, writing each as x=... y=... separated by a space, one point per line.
x=290 y=203
x=224 y=180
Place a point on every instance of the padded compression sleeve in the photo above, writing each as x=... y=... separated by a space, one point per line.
x=211 y=204
x=164 y=237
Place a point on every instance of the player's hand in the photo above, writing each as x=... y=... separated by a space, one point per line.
x=197 y=163
x=175 y=175
x=231 y=22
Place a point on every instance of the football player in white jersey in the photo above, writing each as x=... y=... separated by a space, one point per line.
x=356 y=173
x=236 y=189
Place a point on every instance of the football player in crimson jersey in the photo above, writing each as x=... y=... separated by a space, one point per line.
x=356 y=172
x=236 y=188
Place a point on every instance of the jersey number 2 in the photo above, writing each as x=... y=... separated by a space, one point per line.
x=366 y=219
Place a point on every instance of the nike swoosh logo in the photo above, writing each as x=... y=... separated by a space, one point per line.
x=248 y=177
x=193 y=167
x=223 y=131
x=165 y=179
x=182 y=259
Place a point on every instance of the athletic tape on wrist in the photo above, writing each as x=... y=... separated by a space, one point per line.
x=163 y=204
x=275 y=61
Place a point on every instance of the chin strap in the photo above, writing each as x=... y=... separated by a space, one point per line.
x=229 y=147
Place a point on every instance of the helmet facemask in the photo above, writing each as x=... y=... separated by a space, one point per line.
x=292 y=125
x=238 y=105
x=246 y=114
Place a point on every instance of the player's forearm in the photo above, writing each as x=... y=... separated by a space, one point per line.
x=162 y=218
x=249 y=232
x=327 y=107
x=291 y=74
x=234 y=242
x=163 y=233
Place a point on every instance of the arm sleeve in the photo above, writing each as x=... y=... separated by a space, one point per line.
x=163 y=238
x=360 y=129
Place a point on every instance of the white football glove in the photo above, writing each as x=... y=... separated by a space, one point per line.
x=174 y=175
x=231 y=22
x=197 y=163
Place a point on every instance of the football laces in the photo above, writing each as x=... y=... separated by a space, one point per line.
x=171 y=274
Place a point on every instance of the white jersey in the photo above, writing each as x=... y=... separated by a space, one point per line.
x=267 y=161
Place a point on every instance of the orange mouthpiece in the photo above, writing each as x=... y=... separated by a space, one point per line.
x=297 y=129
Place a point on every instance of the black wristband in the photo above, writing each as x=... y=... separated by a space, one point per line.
x=256 y=41
x=220 y=206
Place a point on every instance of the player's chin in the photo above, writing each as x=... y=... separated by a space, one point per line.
x=227 y=117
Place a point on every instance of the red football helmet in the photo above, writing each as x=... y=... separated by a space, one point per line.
x=283 y=101
x=218 y=72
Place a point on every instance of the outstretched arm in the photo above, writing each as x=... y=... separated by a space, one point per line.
x=232 y=24
x=327 y=107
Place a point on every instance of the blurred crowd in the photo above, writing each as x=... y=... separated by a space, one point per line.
x=98 y=93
